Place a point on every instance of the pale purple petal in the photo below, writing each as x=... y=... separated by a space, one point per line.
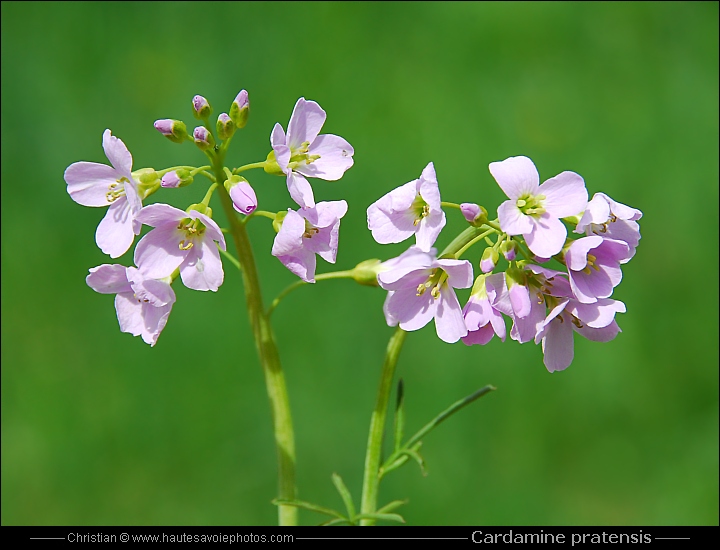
x=597 y=212
x=289 y=238
x=158 y=254
x=477 y=312
x=588 y=287
x=611 y=252
x=547 y=236
x=335 y=158
x=626 y=231
x=576 y=255
x=305 y=123
x=620 y=210
x=154 y=321
x=212 y=230
x=109 y=279
x=428 y=187
x=117 y=153
x=544 y=325
x=520 y=300
x=157 y=215
x=202 y=268
x=557 y=345
x=413 y=312
x=116 y=232
x=130 y=314
x=480 y=335
x=449 y=321
x=413 y=261
x=498 y=324
x=327 y=212
x=158 y=293
x=604 y=334
x=279 y=146
x=89 y=182
x=597 y=315
x=516 y=176
x=512 y=220
x=565 y=195
x=524 y=329
x=429 y=228
x=389 y=317
x=460 y=272
x=302 y=263
x=300 y=190
x=393 y=227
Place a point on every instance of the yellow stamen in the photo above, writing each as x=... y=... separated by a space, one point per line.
x=185 y=246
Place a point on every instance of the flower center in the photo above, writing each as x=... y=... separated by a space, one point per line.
x=310 y=230
x=116 y=190
x=192 y=229
x=436 y=280
x=300 y=156
x=420 y=209
x=531 y=205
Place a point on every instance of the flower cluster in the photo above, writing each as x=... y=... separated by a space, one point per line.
x=546 y=304
x=187 y=243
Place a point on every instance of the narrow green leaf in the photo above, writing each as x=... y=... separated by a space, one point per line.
x=419 y=459
x=387 y=517
x=345 y=494
x=335 y=522
x=394 y=505
x=399 y=415
x=307 y=506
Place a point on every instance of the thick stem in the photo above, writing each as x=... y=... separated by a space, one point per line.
x=371 y=477
x=269 y=359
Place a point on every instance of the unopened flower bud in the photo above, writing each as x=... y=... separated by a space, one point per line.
x=365 y=273
x=203 y=138
x=474 y=214
x=508 y=250
x=489 y=260
x=242 y=194
x=174 y=130
x=201 y=107
x=240 y=109
x=225 y=127
x=177 y=178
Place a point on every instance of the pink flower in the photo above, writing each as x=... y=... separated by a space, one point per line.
x=94 y=184
x=411 y=209
x=534 y=210
x=181 y=240
x=307 y=232
x=611 y=220
x=142 y=304
x=594 y=266
x=421 y=288
x=483 y=321
x=303 y=153
x=593 y=321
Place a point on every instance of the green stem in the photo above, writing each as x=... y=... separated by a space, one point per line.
x=472 y=242
x=298 y=284
x=269 y=358
x=371 y=478
x=450 y=205
x=249 y=167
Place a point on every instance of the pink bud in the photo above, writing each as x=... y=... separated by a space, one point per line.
x=164 y=126
x=470 y=211
x=170 y=180
x=243 y=196
x=242 y=99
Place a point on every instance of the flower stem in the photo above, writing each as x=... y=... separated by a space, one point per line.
x=269 y=358
x=249 y=167
x=371 y=477
x=297 y=284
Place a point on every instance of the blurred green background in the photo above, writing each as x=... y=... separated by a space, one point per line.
x=98 y=428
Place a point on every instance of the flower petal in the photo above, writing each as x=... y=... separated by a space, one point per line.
x=557 y=345
x=202 y=268
x=157 y=215
x=305 y=123
x=460 y=272
x=109 y=279
x=480 y=336
x=597 y=315
x=576 y=255
x=335 y=158
x=413 y=312
x=117 y=153
x=154 y=321
x=116 y=232
x=512 y=220
x=302 y=263
x=516 y=176
x=565 y=195
x=547 y=236
x=212 y=230
x=429 y=228
x=449 y=321
x=289 y=238
x=604 y=334
x=300 y=190
x=157 y=254
x=428 y=187
x=88 y=183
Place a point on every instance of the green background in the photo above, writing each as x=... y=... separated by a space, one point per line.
x=98 y=428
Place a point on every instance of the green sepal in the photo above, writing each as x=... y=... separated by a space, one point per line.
x=225 y=131
x=179 y=132
x=481 y=218
x=232 y=181
x=199 y=207
x=515 y=276
x=366 y=272
x=271 y=165
x=278 y=221
x=239 y=116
